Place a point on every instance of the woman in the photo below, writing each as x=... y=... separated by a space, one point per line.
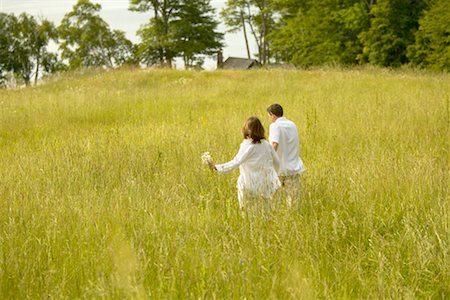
x=257 y=162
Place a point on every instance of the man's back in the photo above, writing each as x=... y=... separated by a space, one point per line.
x=285 y=134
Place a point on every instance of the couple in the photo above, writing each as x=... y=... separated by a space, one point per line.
x=265 y=167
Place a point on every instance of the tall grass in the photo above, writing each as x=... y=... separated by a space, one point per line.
x=103 y=195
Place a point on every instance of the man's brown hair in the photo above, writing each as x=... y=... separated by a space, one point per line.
x=275 y=109
x=253 y=129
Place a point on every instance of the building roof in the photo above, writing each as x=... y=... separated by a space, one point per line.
x=240 y=63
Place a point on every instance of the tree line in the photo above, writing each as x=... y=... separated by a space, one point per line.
x=388 y=33
x=182 y=28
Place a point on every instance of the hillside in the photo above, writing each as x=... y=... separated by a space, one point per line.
x=103 y=194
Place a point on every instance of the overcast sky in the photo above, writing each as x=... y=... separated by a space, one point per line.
x=116 y=13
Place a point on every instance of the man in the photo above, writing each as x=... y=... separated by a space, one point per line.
x=283 y=136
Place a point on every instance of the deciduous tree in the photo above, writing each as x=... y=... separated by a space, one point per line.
x=392 y=27
x=258 y=15
x=195 y=32
x=235 y=19
x=88 y=41
x=320 y=32
x=183 y=28
x=432 y=44
x=23 y=46
x=157 y=43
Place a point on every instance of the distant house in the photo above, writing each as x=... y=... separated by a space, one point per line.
x=239 y=63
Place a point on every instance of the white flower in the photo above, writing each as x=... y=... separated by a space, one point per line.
x=206 y=158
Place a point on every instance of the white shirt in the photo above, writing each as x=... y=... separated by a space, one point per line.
x=257 y=165
x=285 y=133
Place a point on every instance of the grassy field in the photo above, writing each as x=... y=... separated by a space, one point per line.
x=103 y=194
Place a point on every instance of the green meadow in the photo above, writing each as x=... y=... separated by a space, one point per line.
x=103 y=193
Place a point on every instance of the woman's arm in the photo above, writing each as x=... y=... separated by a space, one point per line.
x=243 y=154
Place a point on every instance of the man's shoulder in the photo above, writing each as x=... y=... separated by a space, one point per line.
x=274 y=125
x=286 y=120
x=286 y=123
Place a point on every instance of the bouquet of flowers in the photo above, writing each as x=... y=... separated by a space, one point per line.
x=207 y=159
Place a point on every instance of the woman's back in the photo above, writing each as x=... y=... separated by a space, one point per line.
x=257 y=162
x=261 y=156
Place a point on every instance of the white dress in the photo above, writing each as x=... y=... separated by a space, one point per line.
x=258 y=164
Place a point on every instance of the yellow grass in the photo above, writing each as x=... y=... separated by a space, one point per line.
x=103 y=193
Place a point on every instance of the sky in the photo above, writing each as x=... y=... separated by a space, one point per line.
x=117 y=15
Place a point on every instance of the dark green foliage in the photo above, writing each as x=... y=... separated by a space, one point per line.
x=391 y=31
x=432 y=46
x=322 y=32
x=194 y=32
x=6 y=42
x=153 y=48
x=157 y=44
x=344 y=32
x=179 y=28
x=306 y=33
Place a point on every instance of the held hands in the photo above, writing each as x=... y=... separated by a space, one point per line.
x=211 y=166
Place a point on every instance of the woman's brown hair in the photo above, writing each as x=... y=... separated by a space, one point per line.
x=253 y=129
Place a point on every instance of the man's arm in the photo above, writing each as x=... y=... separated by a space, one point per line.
x=274 y=136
